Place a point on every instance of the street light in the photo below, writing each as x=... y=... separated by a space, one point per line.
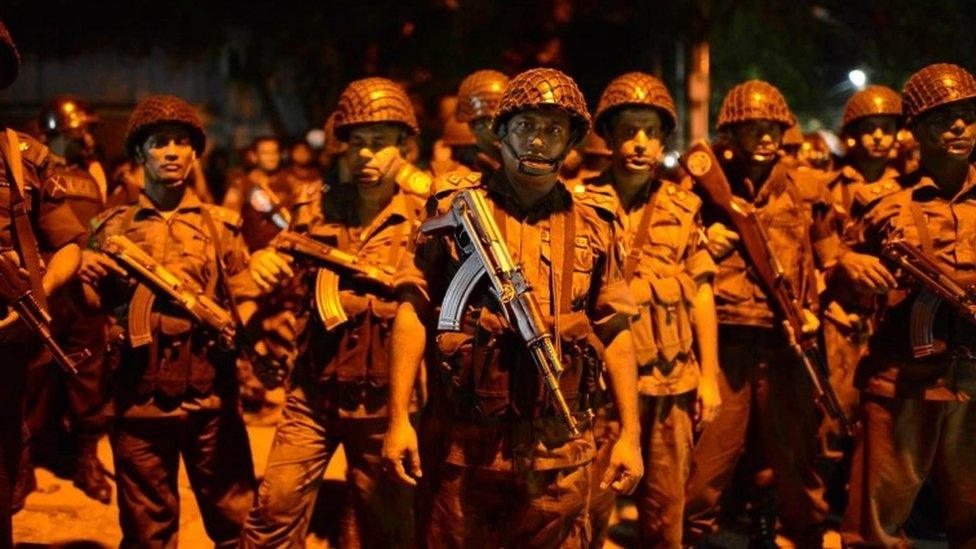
x=858 y=78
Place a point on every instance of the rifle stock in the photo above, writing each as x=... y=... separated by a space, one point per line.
x=704 y=167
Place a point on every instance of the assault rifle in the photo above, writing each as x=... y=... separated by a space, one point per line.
x=334 y=262
x=16 y=293
x=155 y=279
x=477 y=235
x=704 y=167
x=936 y=287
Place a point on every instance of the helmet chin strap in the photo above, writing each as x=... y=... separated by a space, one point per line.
x=555 y=163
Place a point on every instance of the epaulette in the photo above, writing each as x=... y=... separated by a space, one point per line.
x=871 y=193
x=606 y=204
x=229 y=217
x=32 y=151
x=684 y=198
x=455 y=181
x=102 y=218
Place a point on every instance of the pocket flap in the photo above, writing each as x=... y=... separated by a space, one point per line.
x=668 y=290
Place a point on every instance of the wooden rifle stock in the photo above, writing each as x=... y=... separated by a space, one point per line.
x=704 y=167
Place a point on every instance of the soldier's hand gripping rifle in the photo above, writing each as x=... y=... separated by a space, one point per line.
x=703 y=166
x=156 y=280
x=936 y=287
x=16 y=293
x=476 y=234
x=334 y=263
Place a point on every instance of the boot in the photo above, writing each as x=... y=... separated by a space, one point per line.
x=89 y=474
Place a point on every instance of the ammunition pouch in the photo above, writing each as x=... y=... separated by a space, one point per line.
x=358 y=351
x=663 y=336
x=179 y=361
x=487 y=373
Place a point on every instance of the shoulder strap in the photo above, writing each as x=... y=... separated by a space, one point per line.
x=24 y=236
x=221 y=268
x=928 y=247
x=637 y=246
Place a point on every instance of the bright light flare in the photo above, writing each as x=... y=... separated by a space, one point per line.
x=858 y=78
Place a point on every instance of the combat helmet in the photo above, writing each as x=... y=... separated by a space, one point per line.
x=163 y=109
x=540 y=88
x=754 y=100
x=9 y=58
x=373 y=100
x=479 y=95
x=66 y=112
x=872 y=101
x=934 y=86
x=635 y=89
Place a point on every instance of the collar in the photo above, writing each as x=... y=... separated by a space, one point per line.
x=189 y=202
x=926 y=189
x=850 y=173
x=558 y=199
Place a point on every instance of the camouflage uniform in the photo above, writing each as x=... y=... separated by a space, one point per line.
x=54 y=226
x=918 y=418
x=177 y=397
x=508 y=476
x=339 y=389
x=761 y=381
x=664 y=265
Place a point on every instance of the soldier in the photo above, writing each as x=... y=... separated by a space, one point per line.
x=454 y=150
x=265 y=183
x=67 y=121
x=33 y=219
x=339 y=388
x=918 y=418
x=478 y=99
x=176 y=396
x=302 y=170
x=871 y=120
x=670 y=272
x=815 y=152
x=761 y=381
x=510 y=475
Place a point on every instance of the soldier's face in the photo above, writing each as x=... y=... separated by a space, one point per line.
x=758 y=140
x=268 y=154
x=948 y=131
x=167 y=155
x=637 y=139
x=481 y=128
x=535 y=142
x=875 y=135
x=366 y=140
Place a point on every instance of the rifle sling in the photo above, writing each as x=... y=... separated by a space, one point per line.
x=928 y=246
x=637 y=246
x=23 y=234
x=221 y=268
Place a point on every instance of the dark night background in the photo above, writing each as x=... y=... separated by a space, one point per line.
x=278 y=66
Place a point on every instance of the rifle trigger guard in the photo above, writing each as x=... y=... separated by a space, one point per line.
x=459 y=292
